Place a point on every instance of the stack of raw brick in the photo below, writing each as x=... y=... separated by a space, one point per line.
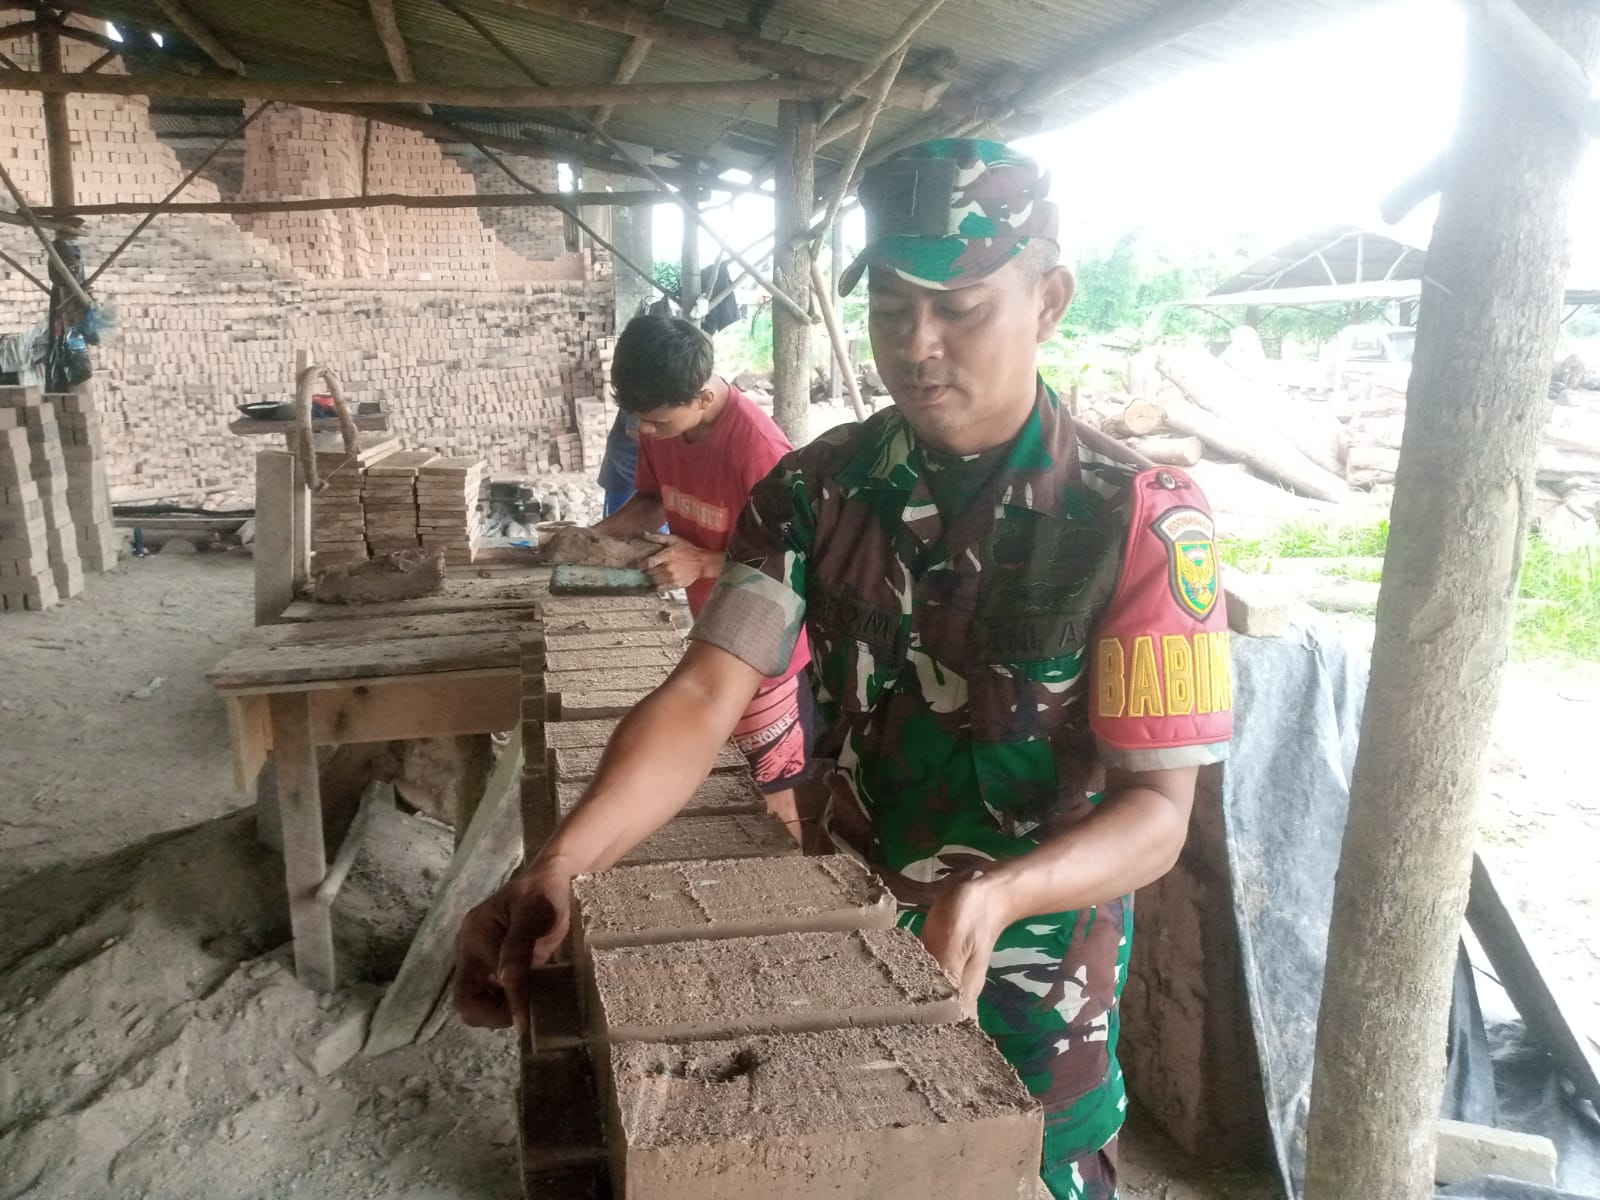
x=447 y=507
x=389 y=501
x=749 y=1021
x=39 y=519
x=338 y=522
x=594 y=422
x=88 y=496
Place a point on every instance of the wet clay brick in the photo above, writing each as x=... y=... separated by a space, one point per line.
x=900 y=1113
x=727 y=793
x=733 y=835
x=741 y=897
x=692 y=991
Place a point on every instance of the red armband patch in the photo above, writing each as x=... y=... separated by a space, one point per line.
x=1160 y=674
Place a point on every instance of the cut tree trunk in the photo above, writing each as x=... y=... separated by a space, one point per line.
x=1241 y=400
x=1260 y=448
x=1137 y=419
x=1477 y=405
x=1367 y=465
x=1169 y=451
x=791 y=268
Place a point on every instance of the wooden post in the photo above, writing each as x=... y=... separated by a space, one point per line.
x=836 y=302
x=273 y=551
x=57 y=131
x=791 y=262
x=1476 y=408
x=689 y=260
x=305 y=857
x=300 y=513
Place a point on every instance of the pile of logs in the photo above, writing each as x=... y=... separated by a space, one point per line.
x=1182 y=405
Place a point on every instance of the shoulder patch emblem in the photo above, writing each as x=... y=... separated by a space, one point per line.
x=1191 y=557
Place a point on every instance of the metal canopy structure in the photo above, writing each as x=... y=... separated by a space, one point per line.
x=1344 y=257
x=995 y=65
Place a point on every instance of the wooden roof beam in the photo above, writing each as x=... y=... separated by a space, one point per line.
x=632 y=60
x=394 y=45
x=311 y=92
x=196 y=31
x=721 y=45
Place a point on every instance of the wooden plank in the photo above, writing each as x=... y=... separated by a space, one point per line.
x=1529 y=981
x=391 y=629
x=613 y=639
x=250 y=735
x=273 y=552
x=567 y=606
x=269 y=668
x=613 y=622
x=614 y=660
x=304 y=857
x=608 y=679
x=367 y=422
x=484 y=859
x=442 y=705
x=462 y=593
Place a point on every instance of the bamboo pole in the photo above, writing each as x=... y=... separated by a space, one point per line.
x=791 y=259
x=184 y=87
x=535 y=199
x=847 y=172
x=166 y=202
x=898 y=42
x=841 y=352
x=197 y=32
x=721 y=45
x=687 y=203
x=632 y=60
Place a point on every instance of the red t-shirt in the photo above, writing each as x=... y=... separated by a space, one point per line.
x=704 y=485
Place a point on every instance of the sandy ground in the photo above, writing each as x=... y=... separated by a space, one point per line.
x=156 y=1043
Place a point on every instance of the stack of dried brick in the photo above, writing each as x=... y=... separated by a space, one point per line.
x=88 y=497
x=338 y=522
x=447 y=507
x=389 y=501
x=39 y=562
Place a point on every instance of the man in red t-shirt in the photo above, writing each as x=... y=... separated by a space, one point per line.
x=703 y=445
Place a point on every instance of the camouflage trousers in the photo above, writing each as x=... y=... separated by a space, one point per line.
x=1092 y=1177
x=1051 y=1006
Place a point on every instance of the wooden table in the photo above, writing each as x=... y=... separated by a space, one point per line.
x=330 y=675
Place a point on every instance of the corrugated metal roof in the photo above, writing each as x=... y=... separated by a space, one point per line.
x=998 y=48
x=1333 y=256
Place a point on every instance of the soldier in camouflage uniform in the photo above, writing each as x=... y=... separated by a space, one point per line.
x=1002 y=617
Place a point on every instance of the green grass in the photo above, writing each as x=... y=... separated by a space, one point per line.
x=1559 y=616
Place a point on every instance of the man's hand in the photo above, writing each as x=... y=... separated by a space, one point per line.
x=962 y=928
x=680 y=563
x=520 y=926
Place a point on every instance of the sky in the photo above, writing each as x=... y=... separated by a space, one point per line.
x=1269 y=145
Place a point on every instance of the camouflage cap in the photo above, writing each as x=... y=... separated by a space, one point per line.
x=946 y=213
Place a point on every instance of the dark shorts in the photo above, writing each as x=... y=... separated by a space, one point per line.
x=777 y=732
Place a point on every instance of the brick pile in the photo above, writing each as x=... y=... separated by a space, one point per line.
x=389 y=501
x=338 y=521
x=210 y=315
x=88 y=497
x=40 y=562
x=447 y=508
x=534 y=240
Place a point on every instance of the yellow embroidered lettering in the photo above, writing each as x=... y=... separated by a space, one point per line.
x=1177 y=664
x=1221 y=674
x=1144 y=683
x=1112 y=693
x=1202 y=673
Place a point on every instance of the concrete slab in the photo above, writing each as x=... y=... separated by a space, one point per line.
x=693 y=991
x=578 y=620
x=727 y=793
x=606 y=679
x=569 y=735
x=900 y=1113
x=743 y=897
x=1467 y=1151
x=613 y=639
x=733 y=835
x=587 y=706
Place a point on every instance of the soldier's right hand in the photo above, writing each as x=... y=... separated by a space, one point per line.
x=519 y=927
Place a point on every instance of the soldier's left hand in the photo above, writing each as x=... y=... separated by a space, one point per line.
x=963 y=925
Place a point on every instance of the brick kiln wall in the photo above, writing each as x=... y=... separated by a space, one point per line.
x=410 y=307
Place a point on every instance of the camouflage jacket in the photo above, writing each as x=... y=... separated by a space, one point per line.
x=951 y=665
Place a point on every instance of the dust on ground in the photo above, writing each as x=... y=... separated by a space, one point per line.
x=156 y=1042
